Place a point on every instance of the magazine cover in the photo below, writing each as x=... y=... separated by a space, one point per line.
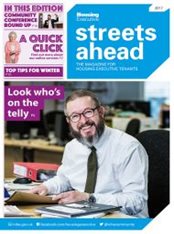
x=33 y=40
x=87 y=99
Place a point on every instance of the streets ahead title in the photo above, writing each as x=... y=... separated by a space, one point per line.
x=94 y=35
x=116 y=40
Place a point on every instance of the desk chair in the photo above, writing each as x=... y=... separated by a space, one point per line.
x=156 y=143
x=133 y=127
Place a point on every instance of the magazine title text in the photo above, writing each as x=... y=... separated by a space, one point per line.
x=94 y=35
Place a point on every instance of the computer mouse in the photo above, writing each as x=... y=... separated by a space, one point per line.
x=23 y=180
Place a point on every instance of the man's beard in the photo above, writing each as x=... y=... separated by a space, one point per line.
x=89 y=140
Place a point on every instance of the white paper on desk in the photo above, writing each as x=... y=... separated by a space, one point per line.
x=14 y=187
x=13 y=211
x=66 y=209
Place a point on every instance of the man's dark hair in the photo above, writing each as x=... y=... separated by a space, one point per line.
x=82 y=93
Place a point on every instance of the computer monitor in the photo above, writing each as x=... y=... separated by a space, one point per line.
x=56 y=123
x=61 y=129
x=137 y=106
x=17 y=129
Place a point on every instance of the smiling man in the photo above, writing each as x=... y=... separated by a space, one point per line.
x=86 y=124
x=100 y=164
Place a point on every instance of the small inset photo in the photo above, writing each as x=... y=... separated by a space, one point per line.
x=50 y=20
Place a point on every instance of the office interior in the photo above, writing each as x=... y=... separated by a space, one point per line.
x=132 y=107
x=142 y=109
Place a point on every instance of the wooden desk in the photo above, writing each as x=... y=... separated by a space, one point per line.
x=33 y=144
x=31 y=150
x=31 y=208
x=58 y=25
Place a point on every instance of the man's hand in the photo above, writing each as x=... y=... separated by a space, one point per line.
x=41 y=190
x=71 y=196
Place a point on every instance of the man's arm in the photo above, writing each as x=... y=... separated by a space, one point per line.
x=53 y=21
x=132 y=174
x=56 y=18
x=55 y=185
